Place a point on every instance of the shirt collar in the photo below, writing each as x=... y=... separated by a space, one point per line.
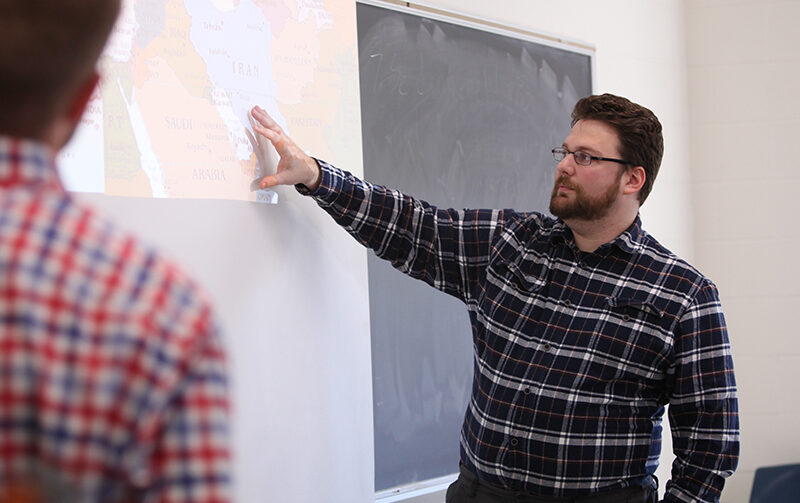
x=630 y=241
x=560 y=231
x=25 y=162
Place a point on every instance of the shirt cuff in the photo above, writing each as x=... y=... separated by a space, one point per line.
x=330 y=181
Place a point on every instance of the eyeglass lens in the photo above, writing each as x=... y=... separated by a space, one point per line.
x=581 y=158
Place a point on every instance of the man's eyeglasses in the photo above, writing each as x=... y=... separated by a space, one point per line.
x=581 y=157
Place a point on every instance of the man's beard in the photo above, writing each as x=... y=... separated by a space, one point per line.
x=583 y=207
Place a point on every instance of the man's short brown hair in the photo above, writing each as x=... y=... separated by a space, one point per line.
x=48 y=48
x=639 y=130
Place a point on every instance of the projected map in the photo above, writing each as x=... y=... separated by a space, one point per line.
x=170 y=116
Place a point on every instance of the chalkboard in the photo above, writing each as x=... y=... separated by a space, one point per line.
x=460 y=117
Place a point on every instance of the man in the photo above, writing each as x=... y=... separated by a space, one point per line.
x=584 y=326
x=112 y=375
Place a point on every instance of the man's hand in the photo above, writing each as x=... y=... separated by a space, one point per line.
x=294 y=166
x=266 y=155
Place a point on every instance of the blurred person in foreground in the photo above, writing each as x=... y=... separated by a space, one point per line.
x=113 y=385
x=584 y=327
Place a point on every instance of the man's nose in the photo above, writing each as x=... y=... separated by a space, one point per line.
x=566 y=165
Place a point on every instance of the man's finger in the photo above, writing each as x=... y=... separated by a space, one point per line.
x=269 y=181
x=264 y=118
x=257 y=149
x=275 y=138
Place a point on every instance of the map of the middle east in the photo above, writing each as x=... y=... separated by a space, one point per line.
x=170 y=117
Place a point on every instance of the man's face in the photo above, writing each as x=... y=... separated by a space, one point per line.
x=587 y=192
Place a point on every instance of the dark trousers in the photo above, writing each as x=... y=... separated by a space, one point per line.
x=469 y=489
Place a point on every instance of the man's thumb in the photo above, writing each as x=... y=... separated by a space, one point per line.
x=269 y=181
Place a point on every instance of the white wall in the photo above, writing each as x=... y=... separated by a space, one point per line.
x=744 y=77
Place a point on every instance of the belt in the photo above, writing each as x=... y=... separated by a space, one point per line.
x=624 y=495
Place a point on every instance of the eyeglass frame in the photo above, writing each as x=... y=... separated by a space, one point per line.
x=561 y=150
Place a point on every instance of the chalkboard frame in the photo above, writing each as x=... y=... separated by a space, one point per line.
x=419 y=491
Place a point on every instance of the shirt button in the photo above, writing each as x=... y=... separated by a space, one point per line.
x=547 y=346
x=626 y=317
x=567 y=303
x=527 y=391
x=514 y=441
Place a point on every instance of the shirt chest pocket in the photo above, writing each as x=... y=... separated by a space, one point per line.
x=512 y=295
x=508 y=280
x=632 y=334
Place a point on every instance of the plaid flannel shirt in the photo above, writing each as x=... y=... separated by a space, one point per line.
x=112 y=373
x=576 y=354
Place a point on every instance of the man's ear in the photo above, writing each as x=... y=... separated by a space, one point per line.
x=82 y=97
x=634 y=180
x=67 y=121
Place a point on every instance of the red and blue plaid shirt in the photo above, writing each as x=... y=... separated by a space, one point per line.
x=576 y=354
x=113 y=382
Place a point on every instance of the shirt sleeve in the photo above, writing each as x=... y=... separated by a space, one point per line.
x=191 y=461
x=447 y=249
x=703 y=409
